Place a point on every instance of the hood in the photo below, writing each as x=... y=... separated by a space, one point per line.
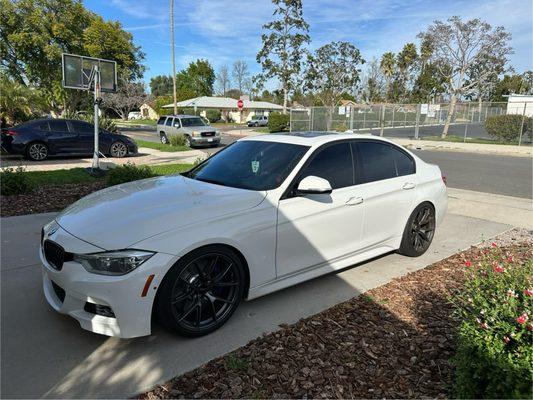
x=208 y=128
x=119 y=216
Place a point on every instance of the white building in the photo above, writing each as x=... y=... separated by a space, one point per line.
x=228 y=107
x=517 y=103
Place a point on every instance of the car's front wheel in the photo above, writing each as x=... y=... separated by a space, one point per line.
x=37 y=151
x=419 y=231
x=163 y=138
x=118 y=150
x=201 y=292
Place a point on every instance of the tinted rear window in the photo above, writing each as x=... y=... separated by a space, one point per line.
x=169 y=122
x=82 y=127
x=43 y=126
x=58 y=125
x=377 y=162
x=161 y=120
x=405 y=165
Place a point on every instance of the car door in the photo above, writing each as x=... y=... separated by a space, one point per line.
x=169 y=126
x=60 y=139
x=386 y=182
x=85 y=132
x=176 y=126
x=314 y=229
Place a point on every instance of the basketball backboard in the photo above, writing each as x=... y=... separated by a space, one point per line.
x=77 y=72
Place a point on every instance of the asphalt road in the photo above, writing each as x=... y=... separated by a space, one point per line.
x=507 y=175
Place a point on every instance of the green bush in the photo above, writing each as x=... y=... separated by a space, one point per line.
x=494 y=356
x=213 y=115
x=15 y=181
x=127 y=173
x=278 y=122
x=103 y=122
x=177 y=140
x=507 y=127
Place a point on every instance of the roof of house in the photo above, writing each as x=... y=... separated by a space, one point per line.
x=224 y=103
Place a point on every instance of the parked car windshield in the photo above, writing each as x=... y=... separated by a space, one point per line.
x=250 y=164
x=192 y=121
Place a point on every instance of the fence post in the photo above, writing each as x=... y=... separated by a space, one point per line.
x=382 y=120
x=311 y=116
x=404 y=118
x=522 y=124
x=417 y=119
x=351 y=118
x=364 y=119
x=393 y=109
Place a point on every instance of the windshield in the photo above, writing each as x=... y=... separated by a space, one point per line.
x=250 y=164
x=192 y=121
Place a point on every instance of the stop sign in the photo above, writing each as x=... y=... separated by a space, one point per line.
x=240 y=104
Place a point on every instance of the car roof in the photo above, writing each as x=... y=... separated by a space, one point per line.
x=312 y=138
x=182 y=116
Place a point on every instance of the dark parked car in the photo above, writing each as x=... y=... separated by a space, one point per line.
x=38 y=139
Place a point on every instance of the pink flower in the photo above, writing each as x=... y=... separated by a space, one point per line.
x=498 y=268
x=522 y=319
x=493 y=244
x=468 y=264
x=510 y=259
x=506 y=339
x=528 y=292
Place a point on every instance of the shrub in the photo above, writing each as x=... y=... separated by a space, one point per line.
x=15 y=181
x=494 y=356
x=127 y=173
x=507 y=127
x=278 y=122
x=103 y=122
x=213 y=115
x=177 y=140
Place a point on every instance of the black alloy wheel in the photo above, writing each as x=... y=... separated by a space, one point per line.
x=118 y=150
x=37 y=151
x=201 y=292
x=419 y=232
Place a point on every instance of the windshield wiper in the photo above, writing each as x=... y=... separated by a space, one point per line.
x=213 y=181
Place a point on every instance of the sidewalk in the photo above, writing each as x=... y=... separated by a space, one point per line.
x=145 y=156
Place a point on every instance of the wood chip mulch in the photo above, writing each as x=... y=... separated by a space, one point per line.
x=46 y=198
x=394 y=341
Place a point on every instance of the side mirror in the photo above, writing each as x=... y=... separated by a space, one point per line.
x=313 y=185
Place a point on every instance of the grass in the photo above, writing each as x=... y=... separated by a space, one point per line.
x=80 y=175
x=460 y=139
x=236 y=364
x=135 y=122
x=161 y=146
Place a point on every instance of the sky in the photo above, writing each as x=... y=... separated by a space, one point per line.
x=223 y=31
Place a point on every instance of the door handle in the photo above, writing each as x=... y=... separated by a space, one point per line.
x=352 y=201
x=408 y=185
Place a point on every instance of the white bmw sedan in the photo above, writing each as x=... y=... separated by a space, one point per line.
x=264 y=213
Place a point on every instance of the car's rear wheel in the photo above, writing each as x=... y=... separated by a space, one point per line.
x=188 y=142
x=419 y=231
x=37 y=151
x=163 y=137
x=201 y=292
x=118 y=150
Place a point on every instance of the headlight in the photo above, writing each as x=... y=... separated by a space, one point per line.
x=195 y=133
x=114 y=262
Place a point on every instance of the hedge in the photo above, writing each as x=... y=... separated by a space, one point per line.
x=127 y=173
x=15 y=181
x=507 y=127
x=278 y=122
x=494 y=357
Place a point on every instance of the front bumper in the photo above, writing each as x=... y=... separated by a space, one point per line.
x=205 y=141
x=79 y=293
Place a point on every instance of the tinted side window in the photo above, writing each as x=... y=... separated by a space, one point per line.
x=58 y=125
x=177 y=123
x=405 y=165
x=161 y=120
x=169 y=122
x=82 y=127
x=43 y=126
x=333 y=163
x=376 y=161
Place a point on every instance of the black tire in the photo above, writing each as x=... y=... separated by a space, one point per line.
x=201 y=291
x=188 y=141
x=36 y=151
x=256 y=124
x=419 y=231
x=118 y=149
x=163 y=138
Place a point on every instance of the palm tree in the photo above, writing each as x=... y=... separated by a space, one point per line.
x=173 y=58
x=16 y=99
x=387 y=66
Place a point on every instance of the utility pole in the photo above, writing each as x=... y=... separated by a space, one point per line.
x=96 y=110
x=173 y=58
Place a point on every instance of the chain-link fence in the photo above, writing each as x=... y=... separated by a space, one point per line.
x=401 y=120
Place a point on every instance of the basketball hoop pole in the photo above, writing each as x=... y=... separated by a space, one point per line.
x=96 y=160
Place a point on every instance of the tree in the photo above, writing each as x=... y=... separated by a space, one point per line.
x=18 y=102
x=233 y=94
x=485 y=73
x=282 y=53
x=161 y=85
x=515 y=83
x=34 y=33
x=388 y=67
x=406 y=62
x=241 y=76
x=223 y=80
x=129 y=96
x=372 y=82
x=457 y=47
x=332 y=71
x=197 y=80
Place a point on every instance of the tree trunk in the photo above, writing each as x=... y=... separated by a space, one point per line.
x=285 y=95
x=451 y=111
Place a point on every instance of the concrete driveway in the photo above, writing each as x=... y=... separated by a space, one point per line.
x=45 y=354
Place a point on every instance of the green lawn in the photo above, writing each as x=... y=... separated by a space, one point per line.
x=80 y=175
x=135 y=122
x=161 y=146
